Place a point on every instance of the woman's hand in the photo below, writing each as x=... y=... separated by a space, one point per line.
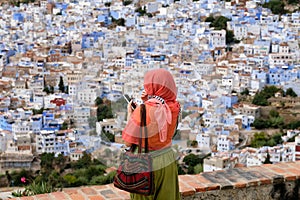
x=144 y=95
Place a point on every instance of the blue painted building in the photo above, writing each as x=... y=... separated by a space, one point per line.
x=6 y=123
x=18 y=17
x=229 y=100
x=278 y=76
x=89 y=39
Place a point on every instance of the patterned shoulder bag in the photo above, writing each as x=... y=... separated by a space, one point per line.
x=135 y=173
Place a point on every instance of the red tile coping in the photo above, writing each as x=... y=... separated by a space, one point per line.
x=190 y=184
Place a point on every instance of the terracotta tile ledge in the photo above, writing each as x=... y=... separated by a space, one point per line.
x=237 y=178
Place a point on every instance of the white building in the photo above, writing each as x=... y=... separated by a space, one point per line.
x=203 y=140
x=217 y=38
x=224 y=143
x=218 y=163
x=87 y=93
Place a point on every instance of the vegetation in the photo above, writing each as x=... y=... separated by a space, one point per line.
x=49 y=89
x=193 y=164
x=126 y=2
x=107 y=4
x=261 y=98
x=18 y=2
x=290 y=92
x=262 y=139
x=118 y=22
x=104 y=109
x=274 y=121
x=57 y=172
x=220 y=23
x=61 y=84
x=276 y=6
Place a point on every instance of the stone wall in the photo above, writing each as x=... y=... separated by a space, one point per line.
x=266 y=182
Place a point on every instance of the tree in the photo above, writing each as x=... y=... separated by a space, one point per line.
x=260 y=139
x=260 y=123
x=61 y=85
x=267 y=160
x=192 y=160
x=194 y=143
x=103 y=112
x=210 y=19
x=220 y=23
x=92 y=122
x=47 y=90
x=107 y=136
x=64 y=126
x=274 y=113
x=276 y=6
x=84 y=162
x=198 y=168
x=260 y=100
x=229 y=37
x=293 y=1
x=245 y=92
x=98 y=101
x=126 y=2
x=47 y=162
x=290 y=92
x=51 y=89
x=107 y=4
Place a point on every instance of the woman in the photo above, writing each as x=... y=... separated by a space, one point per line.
x=162 y=111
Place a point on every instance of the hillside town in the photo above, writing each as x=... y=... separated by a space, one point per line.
x=57 y=58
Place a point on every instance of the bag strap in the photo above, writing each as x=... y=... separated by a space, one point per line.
x=143 y=126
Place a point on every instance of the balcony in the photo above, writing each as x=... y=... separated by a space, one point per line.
x=266 y=182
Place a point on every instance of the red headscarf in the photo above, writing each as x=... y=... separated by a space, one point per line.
x=160 y=83
x=162 y=109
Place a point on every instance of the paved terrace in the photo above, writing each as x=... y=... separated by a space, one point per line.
x=278 y=181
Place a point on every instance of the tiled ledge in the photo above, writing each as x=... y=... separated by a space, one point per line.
x=261 y=182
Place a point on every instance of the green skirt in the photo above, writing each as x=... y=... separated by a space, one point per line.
x=165 y=177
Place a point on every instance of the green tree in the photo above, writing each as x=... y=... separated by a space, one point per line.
x=276 y=6
x=192 y=160
x=61 y=84
x=107 y=136
x=103 y=112
x=194 y=143
x=198 y=168
x=267 y=160
x=126 y=2
x=84 y=162
x=51 y=89
x=276 y=122
x=64 y=126
x=107 y=4
x=92 y=122
x=210 y=19
x=229 y=37
x=274 y=113
x=260 y=139
x=270 y=91
x=46 y=89
x=290 y=92
x=293 y=1
x=245 y=92
x=277 y=138
x=98 y=101
x=260 y=100
x=47 y=162
x=220 y=23
x=260 y=123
